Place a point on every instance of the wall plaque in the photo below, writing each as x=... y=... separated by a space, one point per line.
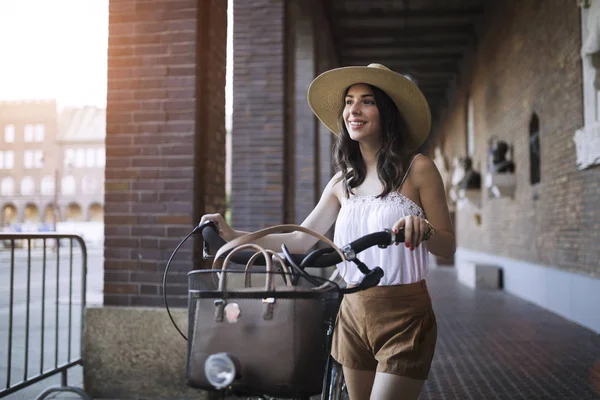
x=587 y=145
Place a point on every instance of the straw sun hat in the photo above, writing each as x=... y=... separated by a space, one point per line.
x=326 y=92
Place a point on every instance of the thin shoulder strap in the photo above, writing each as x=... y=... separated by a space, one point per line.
x=408 y=170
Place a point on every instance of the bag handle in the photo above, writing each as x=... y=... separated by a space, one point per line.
x=269 y=286
x=286 y=228
x=285 y=275
x=268 y=303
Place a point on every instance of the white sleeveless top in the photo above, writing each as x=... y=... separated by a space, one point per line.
x=361 y=215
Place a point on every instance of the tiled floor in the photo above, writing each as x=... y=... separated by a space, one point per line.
x=492 y=345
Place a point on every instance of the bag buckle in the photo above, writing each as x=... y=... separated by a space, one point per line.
x=219 y=308
x=268 y=307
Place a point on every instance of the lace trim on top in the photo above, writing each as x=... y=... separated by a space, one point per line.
x=391 y=198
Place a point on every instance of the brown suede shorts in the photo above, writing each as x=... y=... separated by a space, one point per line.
x=388 y=329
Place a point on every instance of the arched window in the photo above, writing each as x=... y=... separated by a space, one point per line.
x=27 y=186
x=7 y=187
x=89 y=185
x=47 y=185
x=534 y=150
x=68 y=185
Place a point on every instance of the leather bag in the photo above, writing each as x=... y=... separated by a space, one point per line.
x=275 y=331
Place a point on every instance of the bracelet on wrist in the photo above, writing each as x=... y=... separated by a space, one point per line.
x=430 y=231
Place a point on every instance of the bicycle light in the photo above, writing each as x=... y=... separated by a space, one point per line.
x=220 y=370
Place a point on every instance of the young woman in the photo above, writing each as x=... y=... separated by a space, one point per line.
x=385 y=336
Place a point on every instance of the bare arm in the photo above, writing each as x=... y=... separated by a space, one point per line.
x=433 y=199
x=319 y=220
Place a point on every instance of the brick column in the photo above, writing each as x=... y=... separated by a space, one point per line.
x=281 y=157
x=326 y=58
x=165 y=141
x=259 y=114
x=306 y=151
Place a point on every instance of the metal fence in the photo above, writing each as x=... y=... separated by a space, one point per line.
x=42 y=301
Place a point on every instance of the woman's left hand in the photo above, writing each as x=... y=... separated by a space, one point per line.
x=414 y=230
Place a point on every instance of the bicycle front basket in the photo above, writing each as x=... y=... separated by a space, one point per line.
x=278 y=335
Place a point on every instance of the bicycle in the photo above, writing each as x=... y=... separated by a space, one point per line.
x=223 y=370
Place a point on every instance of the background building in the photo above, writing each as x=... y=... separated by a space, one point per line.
x=50 y=157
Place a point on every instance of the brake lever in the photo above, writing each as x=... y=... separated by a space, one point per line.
x=370 y=280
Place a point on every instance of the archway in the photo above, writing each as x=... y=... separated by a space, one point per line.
x=73 y=212
x=49 y=214
x=9 y=215
x=96 y=212
x=32 y=214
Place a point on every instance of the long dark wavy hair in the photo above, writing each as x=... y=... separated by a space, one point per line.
x=392 y=158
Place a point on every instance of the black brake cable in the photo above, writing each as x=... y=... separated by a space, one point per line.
x=300 y=271
x=200 y=227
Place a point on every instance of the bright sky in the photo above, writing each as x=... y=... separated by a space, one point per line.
x=57 y=49
x=54 y=49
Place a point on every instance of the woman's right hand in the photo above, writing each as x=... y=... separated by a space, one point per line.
x=225 y=231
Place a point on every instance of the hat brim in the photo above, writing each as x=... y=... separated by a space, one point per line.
x=325 y=98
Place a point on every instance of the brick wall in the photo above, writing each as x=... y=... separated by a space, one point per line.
x=165 y=152
x=528 y=61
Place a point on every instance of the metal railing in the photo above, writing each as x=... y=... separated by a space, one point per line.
x=39 y=289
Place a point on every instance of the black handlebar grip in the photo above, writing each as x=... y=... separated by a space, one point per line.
x=210 y=234
x=213 y=242
x=399 y=237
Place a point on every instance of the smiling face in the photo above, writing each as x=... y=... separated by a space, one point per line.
x=361 y=115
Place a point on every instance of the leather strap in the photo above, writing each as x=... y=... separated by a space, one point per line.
x=269 y=278
x=276 y=258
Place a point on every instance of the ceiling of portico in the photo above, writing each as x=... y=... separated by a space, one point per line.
x=424 y=39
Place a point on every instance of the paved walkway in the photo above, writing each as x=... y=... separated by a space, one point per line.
x=492 y=345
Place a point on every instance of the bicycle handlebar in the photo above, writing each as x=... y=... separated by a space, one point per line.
x=320 y=258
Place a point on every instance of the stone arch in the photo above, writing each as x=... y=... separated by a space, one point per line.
x=9 y=215
x=49 y=213
x=32 y=213
x=73 y=212
x=96 y=212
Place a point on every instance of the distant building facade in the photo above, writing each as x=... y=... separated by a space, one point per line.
x=51 y=165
